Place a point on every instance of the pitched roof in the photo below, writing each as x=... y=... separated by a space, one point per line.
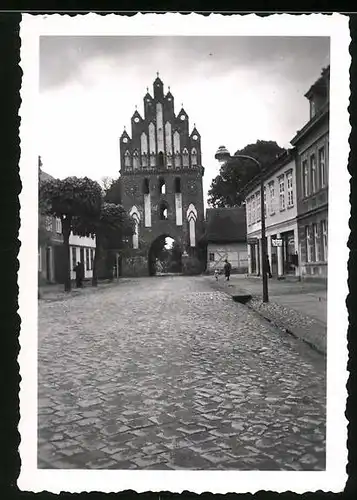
x=226 y=224
x=44 y=176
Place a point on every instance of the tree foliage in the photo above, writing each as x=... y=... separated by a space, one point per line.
x=113 y=191
x=111 y=227
x=226 y=188
x=67 y=199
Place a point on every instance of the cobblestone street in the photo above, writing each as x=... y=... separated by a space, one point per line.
x=166 y=373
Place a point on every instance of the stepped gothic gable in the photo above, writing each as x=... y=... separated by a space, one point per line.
x=161 y=171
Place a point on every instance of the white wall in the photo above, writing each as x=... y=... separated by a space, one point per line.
x=280 y=216
x=236 y=253
x=82 y=241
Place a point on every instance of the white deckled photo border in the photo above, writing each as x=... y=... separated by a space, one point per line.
x=334 y=477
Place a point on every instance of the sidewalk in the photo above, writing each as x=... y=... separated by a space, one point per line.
x=300 y=308
x=56 y=291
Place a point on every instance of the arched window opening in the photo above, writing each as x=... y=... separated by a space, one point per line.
x=177 y=185
x=162 y=186
x=163 y=211
x=185 y=160
x=144 y=160
x=161 y=159
x=136 y=160
x=193 y=157
x=127 y=159
x=146 y=187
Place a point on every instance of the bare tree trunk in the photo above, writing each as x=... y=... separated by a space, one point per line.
x=66 y=229
x=96 y=262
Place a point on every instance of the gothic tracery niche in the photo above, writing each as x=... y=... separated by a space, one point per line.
x=127 y=159
x=193 y=157
x=185 y=159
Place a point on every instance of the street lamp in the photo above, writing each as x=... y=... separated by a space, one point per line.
x=222 y=156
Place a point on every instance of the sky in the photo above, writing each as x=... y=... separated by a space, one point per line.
x=237 y=90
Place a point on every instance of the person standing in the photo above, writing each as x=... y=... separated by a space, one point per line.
x=227 y=269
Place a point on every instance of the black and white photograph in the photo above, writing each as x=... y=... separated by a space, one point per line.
x=185 y=224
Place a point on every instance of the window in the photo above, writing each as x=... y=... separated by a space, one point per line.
x=272 y=198
x=317 y=242
x=289 y=178
x=177 y=185
x=193 y=157
x=312 y=109
x=309 y=245
x=257 y=196
x=162 y=187
x=322 y=171
x=58 y=225
x=161 y=159
x=281 y=193
x=324 y=239
x=74 y=257
x=146 y=187
x=211 y=257
x=313 y=173
x=249 y=212
x=254 y=213
x=163 y=211
x=48 y=223
x=87 y=260
x=305 y=170
x=91 y=258
x=185 y=158
x=265 y=201
x=40 y=259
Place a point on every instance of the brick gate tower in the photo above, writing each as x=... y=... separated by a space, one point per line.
x=161 y=175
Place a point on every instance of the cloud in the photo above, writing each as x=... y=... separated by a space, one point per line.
x=236 y=89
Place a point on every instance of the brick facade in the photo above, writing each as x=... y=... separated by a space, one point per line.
x=161 y=152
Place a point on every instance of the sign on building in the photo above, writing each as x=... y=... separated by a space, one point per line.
x=277 y=242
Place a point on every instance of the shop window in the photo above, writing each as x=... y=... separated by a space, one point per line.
x=317 y=242
x=211 y=257
x=310 y=248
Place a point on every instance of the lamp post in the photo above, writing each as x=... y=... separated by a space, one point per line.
x=222 y=156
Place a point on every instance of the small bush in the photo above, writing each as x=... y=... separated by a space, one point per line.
x=192 y=266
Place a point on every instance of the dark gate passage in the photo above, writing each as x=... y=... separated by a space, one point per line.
x=164 y=259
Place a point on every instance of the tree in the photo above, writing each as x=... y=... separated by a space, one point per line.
x=226 y=188
x=67 y=199
x=113 y=192
x=111 y=226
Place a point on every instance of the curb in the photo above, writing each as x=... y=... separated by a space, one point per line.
x=244 y=299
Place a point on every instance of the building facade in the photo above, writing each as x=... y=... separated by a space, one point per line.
x=226 y=238
x=282 y=237
x=51 y=253
x=161 y=180
x=312 y=145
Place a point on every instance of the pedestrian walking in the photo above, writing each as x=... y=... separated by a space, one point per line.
x=227 y=269
x=79 y=270
x=216 y=274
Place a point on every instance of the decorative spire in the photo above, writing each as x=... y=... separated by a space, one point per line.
x=168 y=88
x=157 y=74
x=136 y=107
x=194 y=125
x=147 y=89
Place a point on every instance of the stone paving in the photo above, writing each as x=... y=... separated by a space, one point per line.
x=166 y=373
